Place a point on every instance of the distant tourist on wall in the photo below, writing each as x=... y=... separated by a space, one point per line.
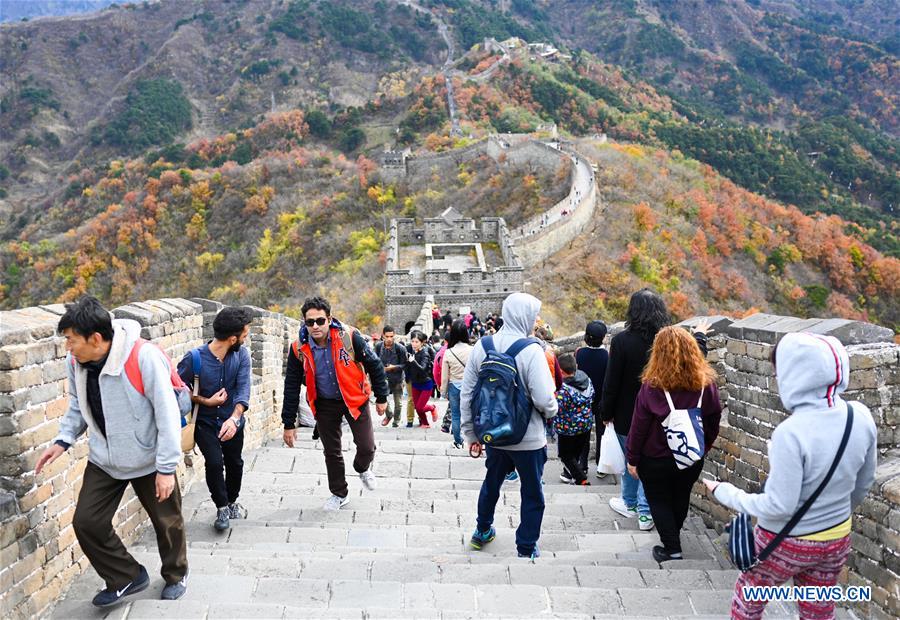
x=393 y=356
x=452 y=372
x=592 y=358
x=812 y=371
x=134 y=439
x=420 y=364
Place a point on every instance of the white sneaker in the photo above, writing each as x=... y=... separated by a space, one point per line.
x=334 y=503
x=566 y=479
x=645 y=523
x=368 y=479
x=618 y=504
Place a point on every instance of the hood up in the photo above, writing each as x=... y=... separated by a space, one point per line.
x=811 y=370
x=519 y=313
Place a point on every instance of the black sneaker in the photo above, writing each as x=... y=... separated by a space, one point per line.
x=236 y=511
x=174 y=591
x=222 y=515
x=661 y=555
x=111 y=596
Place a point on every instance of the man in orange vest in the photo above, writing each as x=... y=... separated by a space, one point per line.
x=333 y=361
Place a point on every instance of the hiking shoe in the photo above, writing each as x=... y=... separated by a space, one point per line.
x=334 y=503
x=599 y=474
x=236 y=511
x=512 y=476
x=480 y=539
x=368 y=479
x=174 y=591
x=409 y=425
x=395 y=424
x=222 y=515
x=565 y=478
x=645 y=523
x=386 y=421
x=457 y=445
x=618 y=504
x=584 y=483
x=661 y=555
x=111 y=596
x=535 y=554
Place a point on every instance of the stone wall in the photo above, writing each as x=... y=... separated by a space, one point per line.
x=482 y=290
x=536 y=248
x=40 y=556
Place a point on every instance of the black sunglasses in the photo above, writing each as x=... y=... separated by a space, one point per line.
x=319 y=321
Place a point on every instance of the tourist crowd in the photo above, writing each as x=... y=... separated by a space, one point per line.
x=648 y=398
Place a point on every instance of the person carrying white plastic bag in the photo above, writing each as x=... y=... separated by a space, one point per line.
x=612 y=459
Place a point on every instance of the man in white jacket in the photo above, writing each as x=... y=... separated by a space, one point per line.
x=528 y=456
x=134 y=438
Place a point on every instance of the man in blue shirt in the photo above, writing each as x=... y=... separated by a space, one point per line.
x=222 y=400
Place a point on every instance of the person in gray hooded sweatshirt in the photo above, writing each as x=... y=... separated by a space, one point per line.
x=811 y=371
x=133 y=439
x=527 y=457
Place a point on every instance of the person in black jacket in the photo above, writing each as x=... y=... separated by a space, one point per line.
x=592 y=359
x=629 y=351
x=332 y=360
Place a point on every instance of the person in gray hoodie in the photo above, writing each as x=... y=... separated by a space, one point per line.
x=811 y=370
x=527 y=457
x=134 y=439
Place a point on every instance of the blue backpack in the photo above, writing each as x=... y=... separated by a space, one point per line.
x=501 y=406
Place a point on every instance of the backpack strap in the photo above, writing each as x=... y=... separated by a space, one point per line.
x=700 y=400
x=487 y=343
x=347 y=341
x=133 y=366
x=520 y=344
x=196 y=362
x=669 y=400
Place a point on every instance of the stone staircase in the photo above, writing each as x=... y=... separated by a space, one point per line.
x=402 y=550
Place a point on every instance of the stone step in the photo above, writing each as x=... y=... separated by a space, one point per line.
x=237 y=596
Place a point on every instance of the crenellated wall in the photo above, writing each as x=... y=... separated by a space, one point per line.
x=40 y=556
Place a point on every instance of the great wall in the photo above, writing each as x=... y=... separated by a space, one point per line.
x=41 y=558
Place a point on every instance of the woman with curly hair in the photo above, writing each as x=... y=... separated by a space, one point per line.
x=676 y=377
x=628 y=354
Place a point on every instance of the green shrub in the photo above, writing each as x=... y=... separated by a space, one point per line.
x=155 y=112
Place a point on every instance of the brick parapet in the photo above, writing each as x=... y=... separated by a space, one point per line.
x=40 y=557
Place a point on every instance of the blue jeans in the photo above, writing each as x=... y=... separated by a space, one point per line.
x=453 y=398
x=530 y=465
x=633 y=490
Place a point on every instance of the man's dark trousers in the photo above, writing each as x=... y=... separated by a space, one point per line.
x=221 y=456
x=98 y=502
x=530 y=466
x=329 y=414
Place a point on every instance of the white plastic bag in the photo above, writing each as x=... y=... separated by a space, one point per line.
x=612 y=460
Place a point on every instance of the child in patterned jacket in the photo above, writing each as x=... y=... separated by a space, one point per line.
x=575 y=419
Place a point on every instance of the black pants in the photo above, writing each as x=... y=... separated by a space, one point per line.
x=599 y=426
x=573 y=454
x=668 y=491
x=329 y=415
x=98 y=502
x=224 y=465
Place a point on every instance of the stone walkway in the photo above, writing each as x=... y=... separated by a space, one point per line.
x=401 y=551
